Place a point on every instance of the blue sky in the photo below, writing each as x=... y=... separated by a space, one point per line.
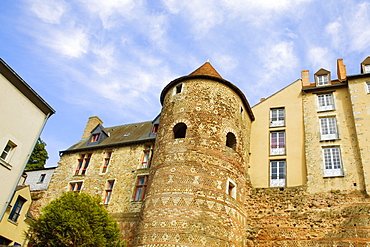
x=112 y=58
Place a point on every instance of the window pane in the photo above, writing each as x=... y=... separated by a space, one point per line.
x=273 y=140
x=281 y=140
x=138 y=194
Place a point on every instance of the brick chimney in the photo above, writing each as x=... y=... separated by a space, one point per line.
x=91 y=124
x=341 y=70
x=305 y=78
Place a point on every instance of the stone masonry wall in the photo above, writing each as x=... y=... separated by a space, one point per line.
x=188 y=201
x=124 y=167
x=294 y=217
x=352 y=178
x=360 y=99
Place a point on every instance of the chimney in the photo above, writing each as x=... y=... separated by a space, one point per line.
x=91 y=124
x=341 y=70
x=305 y=78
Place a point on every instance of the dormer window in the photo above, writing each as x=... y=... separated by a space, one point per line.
x=94 y=137
x=155 y=128
x=322 y=80
x=155 y=125
x=98 y=134
x=367 y=68
x=322 y=77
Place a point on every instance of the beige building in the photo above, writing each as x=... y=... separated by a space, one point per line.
x=293 y=170
x=24 y=114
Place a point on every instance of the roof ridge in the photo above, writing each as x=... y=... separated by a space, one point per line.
x=206 y=69
x=126 y=124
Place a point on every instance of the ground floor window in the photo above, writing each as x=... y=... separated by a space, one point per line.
x=75 y=186
x=277 y=173
x=332 y=162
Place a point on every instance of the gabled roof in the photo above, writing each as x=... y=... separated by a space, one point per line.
x=24 y=88
x=322 y=71
x=365 y=62
x=118 y=135
x=206 y=69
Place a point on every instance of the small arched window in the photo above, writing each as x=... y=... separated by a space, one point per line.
x=231 y=140
x=179 y=130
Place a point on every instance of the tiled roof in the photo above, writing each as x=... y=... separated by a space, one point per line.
x=118 y=135
x=206 y=69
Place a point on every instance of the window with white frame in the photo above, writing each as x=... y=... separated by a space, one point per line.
x=332 y=162
x=83 y=164
x=106 y=161
x=277 y=173
x=325 y=102
x=5 y=155
x=322 y=80
x=108 y=191
x=147 y=156
x=277 y=117
x=367 y=68
x=75 y=186
x=367 y=87
x=277 y=143
x=328 y=126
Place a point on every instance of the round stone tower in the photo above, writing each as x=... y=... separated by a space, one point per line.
x=198 y=180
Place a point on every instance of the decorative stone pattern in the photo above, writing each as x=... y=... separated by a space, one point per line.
x=199 y=193
x=188 y=201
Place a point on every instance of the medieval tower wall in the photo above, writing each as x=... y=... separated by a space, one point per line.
x=198 y=179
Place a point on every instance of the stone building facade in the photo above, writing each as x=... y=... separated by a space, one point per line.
x=211 y=171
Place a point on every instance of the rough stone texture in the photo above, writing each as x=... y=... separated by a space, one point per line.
x=124 y=167
x=351 y=162
x=295 y=217
x=38 y=198
x=187 y=201
x=361 y=114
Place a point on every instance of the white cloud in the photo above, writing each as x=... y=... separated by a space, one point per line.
x=320 y=57
x=49 y=11
x=202 y=15
x=227 y=62
x=357 y=29
x=281 y=5
x=105 y=60
x=278 y=58
x=334 y=29
x=110 y=11
x=71 y=42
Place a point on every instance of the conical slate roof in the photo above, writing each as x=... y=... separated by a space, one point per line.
x=206 y=69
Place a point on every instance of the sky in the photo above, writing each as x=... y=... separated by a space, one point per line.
x=112 y=58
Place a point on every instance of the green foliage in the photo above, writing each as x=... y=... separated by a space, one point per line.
x=74 y=219
x=38 y=157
